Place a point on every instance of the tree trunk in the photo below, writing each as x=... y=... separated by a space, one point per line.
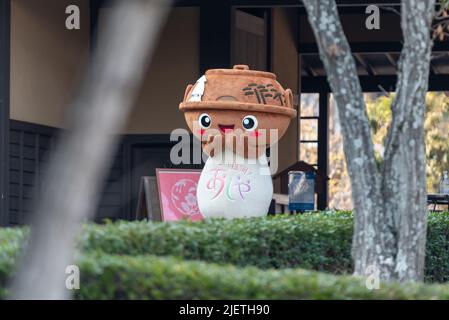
x=79 y=163
x=383 y=220
x=404 y=166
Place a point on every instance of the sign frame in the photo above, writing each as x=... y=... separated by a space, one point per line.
x=159 y=171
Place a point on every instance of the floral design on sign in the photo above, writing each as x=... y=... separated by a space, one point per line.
x=183 y=197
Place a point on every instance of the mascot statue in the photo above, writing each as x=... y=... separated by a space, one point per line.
x=236 y=114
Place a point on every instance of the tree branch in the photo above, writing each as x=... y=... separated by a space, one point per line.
x=403 y=169
x=335 y=52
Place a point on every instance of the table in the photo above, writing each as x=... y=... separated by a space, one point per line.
x=280 y=203
x=438 y=198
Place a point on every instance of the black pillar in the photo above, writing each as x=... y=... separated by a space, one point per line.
x=5 y=27
x=94 y=6
x=323 y=148
x=215 y=34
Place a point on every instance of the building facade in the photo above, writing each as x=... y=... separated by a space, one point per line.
x=42 y=63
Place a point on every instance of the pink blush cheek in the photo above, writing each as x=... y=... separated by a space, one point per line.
x=255 y=134
x=201 y=132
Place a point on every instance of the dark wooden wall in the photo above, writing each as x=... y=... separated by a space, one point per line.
x=251 y=39
x=30 y=146
x=5 y=26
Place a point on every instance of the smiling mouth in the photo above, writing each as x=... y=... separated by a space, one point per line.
x=226 y=128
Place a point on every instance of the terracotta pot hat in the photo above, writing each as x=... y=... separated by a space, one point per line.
x=238 y=100
x=239 y=89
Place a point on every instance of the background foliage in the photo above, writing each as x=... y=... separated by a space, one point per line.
x=379 y=112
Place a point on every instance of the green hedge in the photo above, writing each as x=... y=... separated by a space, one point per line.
x=312 y=241
x=317 y=241
x=150 y=277
x=118 y=260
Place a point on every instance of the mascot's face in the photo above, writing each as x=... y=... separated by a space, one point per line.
x=257 y=126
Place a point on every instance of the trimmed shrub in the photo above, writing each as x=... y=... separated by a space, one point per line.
x=11 y=242
x=310 y=241
x=437 y=248
x=317 y=241
x=150 y=277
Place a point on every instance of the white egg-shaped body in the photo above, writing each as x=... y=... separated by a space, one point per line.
x=239 y=188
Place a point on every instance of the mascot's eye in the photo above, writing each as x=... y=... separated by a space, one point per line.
x=249 y=123
x=205 y=121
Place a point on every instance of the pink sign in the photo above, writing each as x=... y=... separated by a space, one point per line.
x=177 y=194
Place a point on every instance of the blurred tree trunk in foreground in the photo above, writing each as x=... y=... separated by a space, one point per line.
x=82 y=157
x=389 y=206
